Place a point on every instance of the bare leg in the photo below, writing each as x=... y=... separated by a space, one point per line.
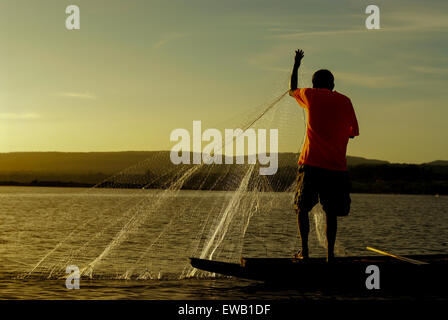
x=331 y=229
x=303 y=223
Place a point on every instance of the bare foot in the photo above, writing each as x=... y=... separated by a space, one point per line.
x=301 y=255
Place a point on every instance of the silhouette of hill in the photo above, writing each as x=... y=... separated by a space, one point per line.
x=354 y=161
x=107 y=162
x=438 y=163
x=84 y=169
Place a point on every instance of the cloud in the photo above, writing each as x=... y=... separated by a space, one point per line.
x=412 y=19
x=430 y=70
x=269 y=60
x=166 y=38
x=19 y=116
x=296 y=35
x=77 y=95
x=423 y=18
x=370 y=81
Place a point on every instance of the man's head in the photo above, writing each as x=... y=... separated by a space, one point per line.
x=323 y=79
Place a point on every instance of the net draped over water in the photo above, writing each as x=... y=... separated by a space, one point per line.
x=151 y=217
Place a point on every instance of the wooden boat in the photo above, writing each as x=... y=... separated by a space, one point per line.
x=414 y=272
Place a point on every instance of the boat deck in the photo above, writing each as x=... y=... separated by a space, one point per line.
x=344 y=271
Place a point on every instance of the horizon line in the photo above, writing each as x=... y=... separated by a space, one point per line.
x=129 y=151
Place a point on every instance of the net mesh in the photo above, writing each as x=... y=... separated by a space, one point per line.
x=149 y=218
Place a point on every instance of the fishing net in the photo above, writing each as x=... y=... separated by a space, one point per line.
x=147 y=220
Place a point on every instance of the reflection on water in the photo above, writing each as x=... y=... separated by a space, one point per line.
x=34 y=220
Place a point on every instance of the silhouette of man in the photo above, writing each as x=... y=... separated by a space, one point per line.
x=322 y=175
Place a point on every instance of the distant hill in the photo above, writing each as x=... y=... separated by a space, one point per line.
x=108 y=162
x=438 y=163
x=71 y=162
x=84 y=169
x=354 y=161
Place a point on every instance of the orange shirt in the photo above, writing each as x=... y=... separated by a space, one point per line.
x=331 y=121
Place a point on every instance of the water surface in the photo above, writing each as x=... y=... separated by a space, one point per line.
x=150 y=258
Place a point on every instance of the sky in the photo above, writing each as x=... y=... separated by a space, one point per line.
x=136 y=70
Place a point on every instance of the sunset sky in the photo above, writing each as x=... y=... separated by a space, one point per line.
x=136 y=70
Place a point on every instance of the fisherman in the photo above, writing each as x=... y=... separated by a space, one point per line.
x=322 y=174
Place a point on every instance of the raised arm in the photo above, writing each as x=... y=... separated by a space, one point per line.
x=295 y=71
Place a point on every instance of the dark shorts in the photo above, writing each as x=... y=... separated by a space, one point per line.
x=331 y=188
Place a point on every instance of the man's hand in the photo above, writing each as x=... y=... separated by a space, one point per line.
x=299 y=56
x=295 y=74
